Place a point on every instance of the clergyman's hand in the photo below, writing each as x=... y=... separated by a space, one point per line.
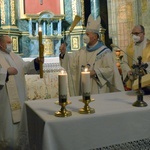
x=92 y=73
x=62 y=48
x=39 y=59
x=131 y=75
x=12 y=71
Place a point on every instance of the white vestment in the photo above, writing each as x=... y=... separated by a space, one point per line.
x=101 y=60
x=9 y=130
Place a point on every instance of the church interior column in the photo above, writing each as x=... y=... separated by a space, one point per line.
x=51 y=27
x=95 y=10
x=9 y=21
x=30 y=27
x=37 y=28
x=59 y=27
x=44 y=27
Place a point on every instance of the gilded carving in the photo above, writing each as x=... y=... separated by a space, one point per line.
x=48 y=47
x=12 y=9
x=3 y=15
x=75 y=42
x=82 y=12
x=15 y=43
x=74 y=8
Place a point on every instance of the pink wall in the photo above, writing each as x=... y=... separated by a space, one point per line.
x=34 y=7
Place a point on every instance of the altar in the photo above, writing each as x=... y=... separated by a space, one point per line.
x=46 y=87
x=115 y=122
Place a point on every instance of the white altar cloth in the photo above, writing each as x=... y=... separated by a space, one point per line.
x=115 y=121
x=46 y=59
x=42 y=88
x=46 y=87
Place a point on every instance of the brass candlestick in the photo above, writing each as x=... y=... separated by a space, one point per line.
x=86 y=109
x=63 y=111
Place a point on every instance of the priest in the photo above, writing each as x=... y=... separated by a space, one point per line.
x=12 y=91
x=140 y=46
x=104 y=75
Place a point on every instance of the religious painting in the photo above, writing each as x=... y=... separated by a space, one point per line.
x=34 y=7
x=75 y=42
x=15 y=44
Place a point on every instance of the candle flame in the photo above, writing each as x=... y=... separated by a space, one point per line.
x=86 y=69
x=62 y=71
x=40 y=28
x=118 y=50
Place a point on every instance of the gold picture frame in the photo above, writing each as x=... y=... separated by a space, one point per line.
x=75 y=42
x=15 y=44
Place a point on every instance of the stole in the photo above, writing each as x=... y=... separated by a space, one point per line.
x=12 y=94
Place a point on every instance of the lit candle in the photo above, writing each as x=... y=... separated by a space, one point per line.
x=41 y=50
x=40 y=35
x=62 y=81
x=86 y=85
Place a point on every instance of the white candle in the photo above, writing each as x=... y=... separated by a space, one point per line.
x=86 y=85
x=62 y=81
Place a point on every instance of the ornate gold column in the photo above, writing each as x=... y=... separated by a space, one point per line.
x=3 y=14
x=8 y=21
x=8 y=14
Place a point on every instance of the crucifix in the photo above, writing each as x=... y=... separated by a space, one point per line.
x=41 y=2
x=140 y=66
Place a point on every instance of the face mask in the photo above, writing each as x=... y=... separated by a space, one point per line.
x=86 y=39
x=9 y=48
x=136 y=38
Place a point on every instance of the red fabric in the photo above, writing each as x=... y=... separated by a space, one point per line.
x=127 y=89
x=34 y=6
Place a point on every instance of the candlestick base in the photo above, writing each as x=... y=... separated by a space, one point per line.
x=86 y=109
x=139 y=102
x=63 y=111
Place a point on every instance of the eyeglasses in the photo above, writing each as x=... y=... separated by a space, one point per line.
x=136 y=33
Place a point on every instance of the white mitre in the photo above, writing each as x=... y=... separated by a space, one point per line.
x=93 y=25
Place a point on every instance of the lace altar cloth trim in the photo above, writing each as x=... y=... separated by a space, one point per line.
x=143 y=144
x=46 y=87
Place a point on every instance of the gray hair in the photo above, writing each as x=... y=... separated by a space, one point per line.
x=2 y=38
